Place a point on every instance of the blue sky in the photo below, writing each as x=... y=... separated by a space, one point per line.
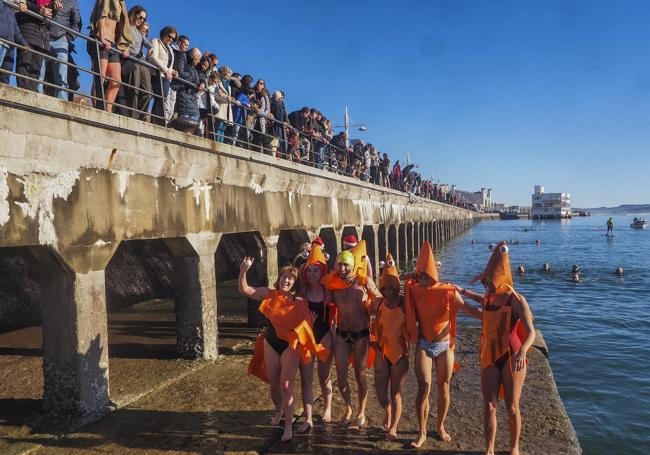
x=497 y=93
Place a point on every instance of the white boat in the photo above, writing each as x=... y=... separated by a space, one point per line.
x=639 y=223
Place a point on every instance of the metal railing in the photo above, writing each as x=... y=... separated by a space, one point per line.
x=278 y=138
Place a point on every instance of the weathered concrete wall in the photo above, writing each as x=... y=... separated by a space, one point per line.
x=77 y=186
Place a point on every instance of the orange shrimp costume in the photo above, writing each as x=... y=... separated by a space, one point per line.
x=389 y=327
x=289 y=317
x=435 y=307
x=501 y=335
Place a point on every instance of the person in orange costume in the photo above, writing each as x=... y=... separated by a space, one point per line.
x=391 y=361
x=318 y=299
x=350 y=292
x=507 y=335
x=288 y=340
x=431 y=310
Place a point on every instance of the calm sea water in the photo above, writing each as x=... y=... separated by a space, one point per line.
x=598 y=331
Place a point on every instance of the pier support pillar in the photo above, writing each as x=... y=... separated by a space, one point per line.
x=330 y=238
x=382 y=244
x=75 y=333
x=369 y=234
x=409 y=242
x=416 y=239
x=195 y=293
x=401 y=257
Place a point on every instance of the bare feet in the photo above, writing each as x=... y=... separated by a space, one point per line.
x=287 y=435
x=443 y=435
x=489 y=452
x=327 y=415
x=392 y=434
x=277 y=418
x=347 y=415
x=420 y=441
x=307 y=426
x=514 y=451
x=357 y=423
x=387 y=420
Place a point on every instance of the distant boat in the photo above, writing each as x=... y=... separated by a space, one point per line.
x=509 y=215
x=639 y=223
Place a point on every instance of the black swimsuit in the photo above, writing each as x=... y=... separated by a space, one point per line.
x=504 y=360
x=276 y=343
x=321 y=324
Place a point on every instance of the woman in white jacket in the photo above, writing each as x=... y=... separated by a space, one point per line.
x=224 y=99
x=162 y=56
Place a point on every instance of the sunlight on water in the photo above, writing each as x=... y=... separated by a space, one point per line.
x=598 y=331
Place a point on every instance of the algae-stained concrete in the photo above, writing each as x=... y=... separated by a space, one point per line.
x=82 y=180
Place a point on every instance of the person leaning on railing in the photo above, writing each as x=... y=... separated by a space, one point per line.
x=60 y=44
x=224 y=98
x=161 y=55
x=186 y=108
x=279 y=111
x=37 y=34
x=136 y=95
x=109 y=23
x=9 y=30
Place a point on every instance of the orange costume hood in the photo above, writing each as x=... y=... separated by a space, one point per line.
x=497 y=269
x=289 y=317
x=426 y=262
x=389 y=276
x=316 y=257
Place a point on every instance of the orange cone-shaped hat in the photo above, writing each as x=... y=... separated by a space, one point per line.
x=426 y=262
x=316 y=257
x=497 y=269
x=389 y=276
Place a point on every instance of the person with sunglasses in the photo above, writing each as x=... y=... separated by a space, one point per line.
x=136 y=95
x=162 y=56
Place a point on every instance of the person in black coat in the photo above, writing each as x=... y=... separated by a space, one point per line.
x=186 y=103
x=9 y=31
x=37 y=34
x=279 y=112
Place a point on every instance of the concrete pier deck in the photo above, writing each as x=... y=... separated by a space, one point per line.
x=174 y=406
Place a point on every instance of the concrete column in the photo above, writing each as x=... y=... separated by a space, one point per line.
x=75 y=334
x=409 y=242
x=195 y=290
x=416 y=239
x=402 y=249
x=375 y=259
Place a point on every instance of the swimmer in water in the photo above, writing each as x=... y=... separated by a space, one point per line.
x=546 y=267
x=521 y=269
x=576 y=278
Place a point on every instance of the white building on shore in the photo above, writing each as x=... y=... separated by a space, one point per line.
x=550 y=205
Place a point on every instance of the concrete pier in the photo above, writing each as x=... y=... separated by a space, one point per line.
x=76 y=183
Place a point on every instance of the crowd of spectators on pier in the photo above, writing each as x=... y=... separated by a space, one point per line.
x=164 y=80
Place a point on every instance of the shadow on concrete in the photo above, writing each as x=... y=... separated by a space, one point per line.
x=28 y=352
x=19 y=411
x=135 y=429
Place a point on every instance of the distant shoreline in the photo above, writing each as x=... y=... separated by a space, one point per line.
x=621 y=210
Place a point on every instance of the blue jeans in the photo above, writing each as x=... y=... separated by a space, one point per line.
x=59 y=50
x=189 y=117
x=319 y=155
x=3 y=52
